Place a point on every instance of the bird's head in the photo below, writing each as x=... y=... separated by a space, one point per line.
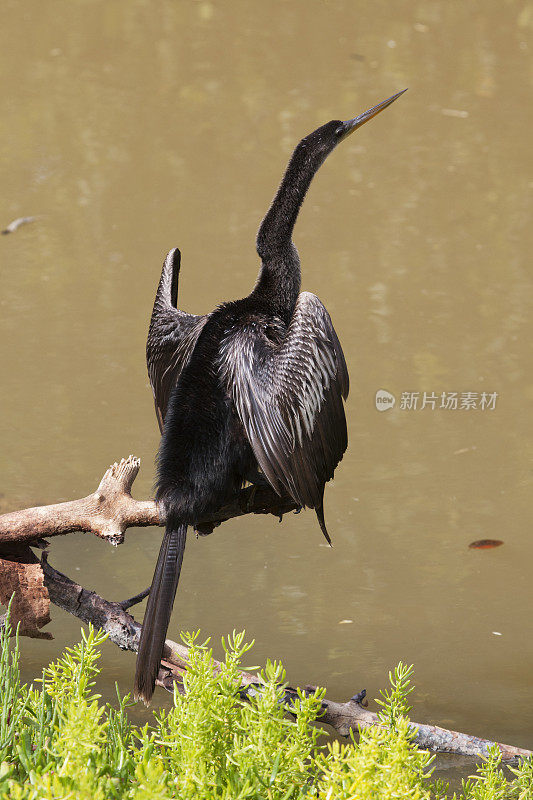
x=276 y=229
x=322 y=141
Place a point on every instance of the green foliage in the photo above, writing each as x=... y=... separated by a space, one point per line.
x=213 y=744
x=490 y=784
x=385 y=763
x=58 y=741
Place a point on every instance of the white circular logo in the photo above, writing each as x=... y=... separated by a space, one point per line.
x=384 y=400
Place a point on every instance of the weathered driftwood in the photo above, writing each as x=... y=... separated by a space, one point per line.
x=108 y=512
x=111 y=509
x=21 y=577
x=124 y=631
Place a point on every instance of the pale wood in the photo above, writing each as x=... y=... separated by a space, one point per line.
x=111 y=509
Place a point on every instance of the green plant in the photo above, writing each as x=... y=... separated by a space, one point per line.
x=58 y=741
x=217 y=745
x=385 y=763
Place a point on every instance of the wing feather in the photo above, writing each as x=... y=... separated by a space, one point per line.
x=172 y=336
x=289 y=398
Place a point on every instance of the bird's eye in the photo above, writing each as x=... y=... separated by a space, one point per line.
x=340 y=130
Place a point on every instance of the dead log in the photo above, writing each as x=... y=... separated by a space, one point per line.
x=111 y=509
x=107 y=513
x=124 y=631
x=21 y=577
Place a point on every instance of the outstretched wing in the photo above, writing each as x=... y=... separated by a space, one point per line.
x=289 y=398
x=172 y=336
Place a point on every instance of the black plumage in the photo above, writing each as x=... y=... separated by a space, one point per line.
x=258 y=384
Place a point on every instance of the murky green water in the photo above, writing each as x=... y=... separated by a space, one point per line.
x=131 y=127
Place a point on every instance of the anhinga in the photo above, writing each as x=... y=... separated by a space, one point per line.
x=257 y=386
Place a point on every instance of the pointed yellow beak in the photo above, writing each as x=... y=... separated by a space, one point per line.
x=352 y=124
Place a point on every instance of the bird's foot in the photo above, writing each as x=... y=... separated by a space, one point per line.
x=257 y=481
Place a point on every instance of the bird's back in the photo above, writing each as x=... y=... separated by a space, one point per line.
x=204 y=455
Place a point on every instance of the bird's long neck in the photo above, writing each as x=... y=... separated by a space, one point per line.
x=279 y=278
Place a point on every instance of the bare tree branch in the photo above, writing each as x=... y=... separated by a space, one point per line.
x=124 y=631
x=111 y=509
x=133 y=601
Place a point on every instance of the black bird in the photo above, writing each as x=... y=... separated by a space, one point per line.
x=252 y=391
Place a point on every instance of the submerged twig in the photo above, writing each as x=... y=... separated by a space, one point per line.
x=133 y=601
x=17 y=223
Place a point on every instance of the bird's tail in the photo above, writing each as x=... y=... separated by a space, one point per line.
x=158 y=611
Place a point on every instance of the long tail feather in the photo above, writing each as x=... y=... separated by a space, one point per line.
x=158 y=611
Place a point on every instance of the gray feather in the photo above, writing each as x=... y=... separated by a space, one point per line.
x=289 y=397
x=171 y=337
